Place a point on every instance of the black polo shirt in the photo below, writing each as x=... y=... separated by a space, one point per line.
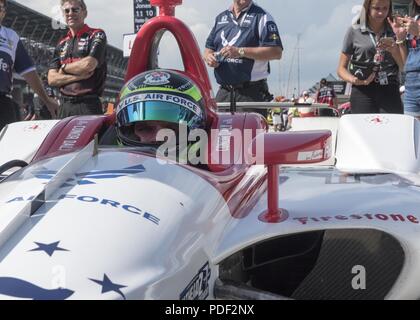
x=358 y=44
x=87 y=42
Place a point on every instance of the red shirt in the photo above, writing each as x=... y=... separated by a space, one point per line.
x=326 y=95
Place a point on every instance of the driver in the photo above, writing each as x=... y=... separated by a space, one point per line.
x=157 y=100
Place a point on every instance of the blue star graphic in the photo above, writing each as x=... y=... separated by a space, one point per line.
x=109 y=286
x=49 y=249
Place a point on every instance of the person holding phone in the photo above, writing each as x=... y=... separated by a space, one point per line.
x=407 y=30
x=371 y=61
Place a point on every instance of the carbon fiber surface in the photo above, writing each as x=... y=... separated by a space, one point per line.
x=350 y=260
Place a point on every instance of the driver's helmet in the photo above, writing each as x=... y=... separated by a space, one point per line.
x=165 y=96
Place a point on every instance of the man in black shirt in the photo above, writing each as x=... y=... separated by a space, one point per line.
x=79 y=64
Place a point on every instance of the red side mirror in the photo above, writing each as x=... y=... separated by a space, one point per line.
x=288 y=148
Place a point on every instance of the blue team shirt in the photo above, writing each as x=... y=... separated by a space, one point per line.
x=13 y=56
x=254 y=28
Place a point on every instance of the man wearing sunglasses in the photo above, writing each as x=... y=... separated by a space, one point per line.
x=13 y=57
x=79 y=64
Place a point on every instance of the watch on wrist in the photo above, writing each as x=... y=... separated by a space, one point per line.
x=241 y=52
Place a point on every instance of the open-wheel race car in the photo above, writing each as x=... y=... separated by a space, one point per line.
x=329 y=210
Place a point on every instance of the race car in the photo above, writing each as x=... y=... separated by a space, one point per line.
x=305 y=218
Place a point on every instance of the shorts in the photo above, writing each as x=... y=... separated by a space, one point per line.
x=412 y=94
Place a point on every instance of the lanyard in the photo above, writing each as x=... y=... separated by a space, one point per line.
x=374 y=40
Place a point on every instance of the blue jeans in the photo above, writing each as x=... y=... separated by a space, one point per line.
x=412 y=94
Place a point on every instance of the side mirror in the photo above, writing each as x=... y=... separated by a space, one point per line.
x=304 y=147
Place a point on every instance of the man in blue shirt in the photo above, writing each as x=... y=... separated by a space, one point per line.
x=13 y=56
x=242 y=42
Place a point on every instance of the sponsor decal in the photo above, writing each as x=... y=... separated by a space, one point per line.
x=8 y=43
x=198 y=288
x=76 y=132
x=18 y=288
x=34 y=127
x=3 y=65
x=164 y=97
x=86 y=199
x=224 y=135
x=328 y=149
x=233 y=60
x=223 y=140
x=310 y=155
x=380 y=217
x=83 y=44
x=224 y=20
x=272 y=28
x=274 y=37
x=246 y=23
x=108 y=286
x=85 y=178
x=64 y=49
x=377 y=120
x=157 y=78
x=100 y=36
x=49 y=249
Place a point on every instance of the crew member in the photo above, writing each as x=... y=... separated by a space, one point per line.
x=242 y=42
x=79 y=66
x=13 y=56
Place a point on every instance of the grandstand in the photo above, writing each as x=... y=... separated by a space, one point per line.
x=40 y=39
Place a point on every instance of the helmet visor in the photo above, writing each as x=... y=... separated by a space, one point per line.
x=155 y=111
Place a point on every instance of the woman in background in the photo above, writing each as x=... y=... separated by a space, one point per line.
x=407 y=31
x=371 y=61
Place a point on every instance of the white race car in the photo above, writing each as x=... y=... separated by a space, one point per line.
x=326 y=214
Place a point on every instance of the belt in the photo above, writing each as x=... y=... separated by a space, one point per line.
x=244 y=85
x=80 y=98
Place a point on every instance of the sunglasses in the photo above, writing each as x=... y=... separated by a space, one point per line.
x=74 y=10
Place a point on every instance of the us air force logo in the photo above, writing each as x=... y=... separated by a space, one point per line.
x=232 y=42
x=157 y=78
